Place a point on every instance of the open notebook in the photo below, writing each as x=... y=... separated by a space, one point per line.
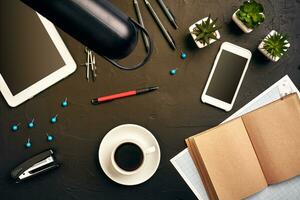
x=243 y=156
x=287 y=190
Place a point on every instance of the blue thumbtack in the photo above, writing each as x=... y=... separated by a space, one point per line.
x=31 y=124
x=49 y=138
x=53 y=120
x=15 y=127
x=65 y=103
x=183 y=55
x=28 y=144
x=173 y=72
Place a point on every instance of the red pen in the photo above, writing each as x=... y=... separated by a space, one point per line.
x=112 y=97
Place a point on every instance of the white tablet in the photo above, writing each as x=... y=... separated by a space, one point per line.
x=226 y=76
x=33 y=56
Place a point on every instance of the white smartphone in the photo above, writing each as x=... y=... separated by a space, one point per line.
x=226 y=76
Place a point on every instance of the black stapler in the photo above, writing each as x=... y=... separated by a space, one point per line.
x=40 y=163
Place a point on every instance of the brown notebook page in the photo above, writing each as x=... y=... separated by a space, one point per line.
x=230 y=161
x=275 y=134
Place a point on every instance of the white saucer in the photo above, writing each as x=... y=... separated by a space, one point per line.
x=120 y=133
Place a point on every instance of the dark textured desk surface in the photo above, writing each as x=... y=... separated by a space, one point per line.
x=171 y=114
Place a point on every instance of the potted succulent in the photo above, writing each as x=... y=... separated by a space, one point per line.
x=274 y=45
x=249 y=16
x=205 y=32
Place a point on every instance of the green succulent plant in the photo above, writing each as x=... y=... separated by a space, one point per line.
x=276 y=45
x=206 y=30
x=251 y=13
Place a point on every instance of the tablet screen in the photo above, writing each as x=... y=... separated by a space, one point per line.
x=27 y=52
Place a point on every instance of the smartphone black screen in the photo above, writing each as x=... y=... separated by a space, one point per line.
x=226 y=77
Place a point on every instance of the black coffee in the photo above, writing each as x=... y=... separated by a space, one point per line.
x=129 y=156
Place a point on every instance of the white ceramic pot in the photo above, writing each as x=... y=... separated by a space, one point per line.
x=199 y=44
x=240 y=24
x=265 y=52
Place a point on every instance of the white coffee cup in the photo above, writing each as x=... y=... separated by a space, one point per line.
x=145 y=150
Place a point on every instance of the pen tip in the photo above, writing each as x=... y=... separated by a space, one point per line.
x=95 y=101
x=175 y=24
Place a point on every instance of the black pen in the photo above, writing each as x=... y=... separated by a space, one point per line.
x=140 y=19
x=161 y=26
x=168 y=13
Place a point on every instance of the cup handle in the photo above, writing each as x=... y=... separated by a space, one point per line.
x=150 y=150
